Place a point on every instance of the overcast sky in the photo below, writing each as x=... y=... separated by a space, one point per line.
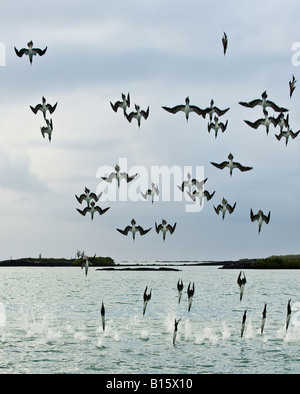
x=160 y=52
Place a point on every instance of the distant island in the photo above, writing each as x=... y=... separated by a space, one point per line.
x=291 y=261
x=107 y=263
x=54 y=262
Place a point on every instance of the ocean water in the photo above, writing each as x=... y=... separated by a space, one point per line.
x=50 y=322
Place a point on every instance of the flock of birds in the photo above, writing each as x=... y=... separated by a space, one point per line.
x=213 y=112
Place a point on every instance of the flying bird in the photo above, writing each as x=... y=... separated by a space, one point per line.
x=266 y=121
x=224 y=207
x=92 y=209
x=118 y=176
x=264 y=103
x=147 y=298
x=134 y=229
x=216 y=125
x=30 y=52
x=213 y=109
x=225 y=43
x=124 y=104
x=231 y=165
x=292 y=85
x=151 y=192
x=87 y=196
x=164 y=227
x=201 y=194
x=241 y=282
x=287 y=133
x=138 y=114
x=85 y=262
x=44 y=107
x=260 y=217
x=47 y=129
x=186 y=108
x=190 y=182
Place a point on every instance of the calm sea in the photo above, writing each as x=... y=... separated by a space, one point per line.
x=50 y=322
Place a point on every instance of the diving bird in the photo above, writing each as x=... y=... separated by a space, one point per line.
x=281 y=121
x=175 y=330
x=231 y=165
x=92 y=209
x=260 y=217
x=103 y=316
x=85 y=262
x=201 y=194
x=124 y=104
x=225 y=43
x=44 y=107
x=30 y=52
x=190 y=182
x=146 y=298
x=216 y=125
x=151 y=192
x=287 y=133
x=243 y=322
x=213 y=109
x=241 y=282
x=266 y=121
x=179 y=288
x=292 y=85
x=190 y=293
x=47 y=129
x=138 y=114
x=133 y=229
x=224 y=207
x=118 y=176
x=263 y=320
x=288 y=314
x=88 y=196
x=186 y=108
x=264 y=103
x=164 y=227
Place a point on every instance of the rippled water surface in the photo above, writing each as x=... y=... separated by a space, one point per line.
x=50 y=321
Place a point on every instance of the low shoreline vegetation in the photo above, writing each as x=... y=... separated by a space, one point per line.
x=55 y=262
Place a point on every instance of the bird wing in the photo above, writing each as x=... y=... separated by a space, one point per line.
x=294 y=135
x=242 y=168
x=142 y=231
x=198 y=110
x=80 y=198
x=100 y=210
x=158 y=227
x=266 y=218
x=199 y=184
x=116 y=105
x=36 y=108
x=83 y=212
x=252 y=216
x=221 y=165
x=255 y=124
x=40 y=51
x=220 y=112
x=218 y=208
x=51 y=108
x=171 y=228
x=208 y=195
x=275 y=106
x=223 y=126
x=125 y=231
x=250 y=104
x=230 y=208
x=21 y=52
x=110 y=177
x=145 y=114
x=175 y=109
x=193 y=196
